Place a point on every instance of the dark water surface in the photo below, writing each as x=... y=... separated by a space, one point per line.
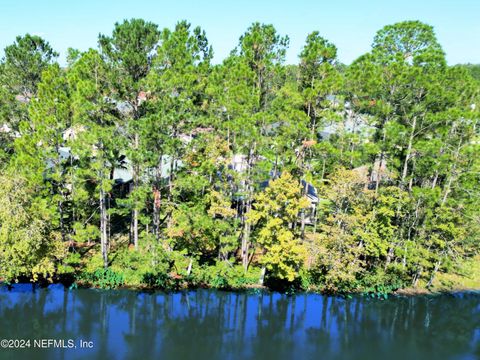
x=206 y=324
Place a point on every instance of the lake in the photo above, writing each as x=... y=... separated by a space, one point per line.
x=207 y=324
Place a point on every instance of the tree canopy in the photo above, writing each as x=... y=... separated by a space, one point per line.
x=143 y=162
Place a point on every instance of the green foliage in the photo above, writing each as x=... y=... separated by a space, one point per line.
x=104 y=279
x=20 y=73
x=360 y=178
x=29 y=245
x=135 y=265
x=263 y=49
x=129 y=48
x=24 y=62
x=380 y=283
x=275 y=212
x=70 y=264
x=473 y=69
x=224 y=275
x=160 y=281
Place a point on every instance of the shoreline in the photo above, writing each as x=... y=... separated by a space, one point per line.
x=423 y=292
x=256 y=289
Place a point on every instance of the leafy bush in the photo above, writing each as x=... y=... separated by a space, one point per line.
x=162 y=281
x=104 y=278
x=30 y=245
x=93 y=263
x=223 y=275
x=151 y=258
x=380 y=283
x=69 y=265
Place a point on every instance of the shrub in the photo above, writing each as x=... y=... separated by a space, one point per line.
x=223 y=275
x=162 y=280
x=380 y=283
x=104 y=278
x=150 y=258
x=69 y=265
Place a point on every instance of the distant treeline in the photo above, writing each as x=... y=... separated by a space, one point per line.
x=142 y=163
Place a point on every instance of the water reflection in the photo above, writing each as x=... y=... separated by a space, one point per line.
x=207 y=324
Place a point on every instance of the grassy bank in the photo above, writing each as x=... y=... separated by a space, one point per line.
x=466 y=277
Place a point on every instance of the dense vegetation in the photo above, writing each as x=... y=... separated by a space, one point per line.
x=142 y=163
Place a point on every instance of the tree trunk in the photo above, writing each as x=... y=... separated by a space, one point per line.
x=262 y=275
x=245 y=244
x=435 y=179
x=382 y=157
x=452 y=174
x=109 y=220
x=103 y=228
x=62 y=222
x=157 y=197
x=416 y=277
x=156 y=211
x=189 y=268
x=434 y=272
x=409 y=149
x=135 y=205
x=302 y=213
x=388 y=260
x=135 y=228
x=247 y=208
x=410 y=183
x=379 y=175
x=262 y=90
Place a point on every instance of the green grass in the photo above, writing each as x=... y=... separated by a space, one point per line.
x=467 y=277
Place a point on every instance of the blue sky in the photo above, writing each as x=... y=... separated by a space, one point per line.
x=349 y=24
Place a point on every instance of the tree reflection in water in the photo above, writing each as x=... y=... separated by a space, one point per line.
x=207 y=324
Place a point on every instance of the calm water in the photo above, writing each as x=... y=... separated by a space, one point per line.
x=208 y=324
